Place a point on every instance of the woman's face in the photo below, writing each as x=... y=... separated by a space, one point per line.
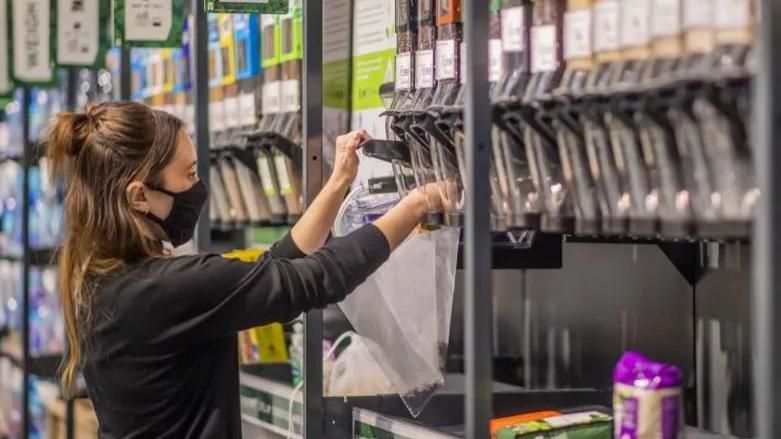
x=178 y=176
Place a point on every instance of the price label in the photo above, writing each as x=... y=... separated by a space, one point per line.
x=404 y=71
x=577 y=34
x=247 y=109
x=512 y=29
x=266 y=176
x=5 y=78
x=495 y=64
x=148 y=20
x=606 y=26
x=291 y=96
x=462 y=67
x=77 y=32
x=217 y=115
x=232 y=112
x=635 y=23
x=31 y=38
x=446 y=60
x=272 y=97
x=666 y=18
x=544 y=49
x=731 y=14
x=280 y=163
x=424 y=69
x=697 y=13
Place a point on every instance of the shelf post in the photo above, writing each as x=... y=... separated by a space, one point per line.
x=477 y=246
x=125 y=77
x=27 y=158
x=200 y=91
x=766 y=301
x=313 y=180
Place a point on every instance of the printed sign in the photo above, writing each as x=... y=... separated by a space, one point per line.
x=32 y=54
x=81 y=40
x=248 y=6
x=148 y=23
x=606 y=26
x=577 y=34
x=446 y=60
x=512 y=29
x=424 y=69
x=404 y=71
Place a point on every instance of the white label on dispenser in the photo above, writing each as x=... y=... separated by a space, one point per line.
x=291 y=95
x=635 y=23
x=424 y=69
x=544 y=48
x=148 y=20
x=462 y=63
x=266 y=176
x=446 y=60
x=77 y=31
x=697 y=13
x=280 y=163
x=606 y=26
x=731 y=14
x=5 y=79
x=217 y=115
x=512 y=29
x=31 y=37
x=495 y=63
x=247 y=110
x=577 y=34
x=666 y=18
x=272 y=97
x=232 y=112
x=404 y=71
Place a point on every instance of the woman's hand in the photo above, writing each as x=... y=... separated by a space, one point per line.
x=346 y=157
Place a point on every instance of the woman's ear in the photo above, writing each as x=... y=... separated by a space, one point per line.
x=136 y=196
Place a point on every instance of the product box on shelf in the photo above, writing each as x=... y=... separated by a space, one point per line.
x=246 y=30
x=216 y=73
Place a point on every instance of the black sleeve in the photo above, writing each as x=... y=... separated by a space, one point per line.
x=287 y=248
x=201 y=297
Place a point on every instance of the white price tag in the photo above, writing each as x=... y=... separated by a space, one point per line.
x=697 y=13
x=404 y=71
x=731 y=14
x=606 y=26
x=635 y=23
x=272 y=97
x=446 y=60
x=424 y=69
x=291 y=95
x=77 y=32
x=462 y=67
x=577 y=34
x=280 y=164
x=217 y=115
x=5 y=79
x=247 y=111
x=32 y=35
x=266 y=176
x=148 y=20
x=666 y=18
x=544 y=49
x=232 y=112
x=512 y=29
x=495 y=64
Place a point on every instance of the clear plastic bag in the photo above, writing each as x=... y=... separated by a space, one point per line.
x=403 y=312
x=356 y=372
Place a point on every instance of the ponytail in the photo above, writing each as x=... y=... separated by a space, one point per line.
x=66 y=139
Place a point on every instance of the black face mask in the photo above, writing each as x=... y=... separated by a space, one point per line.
x=180 y=223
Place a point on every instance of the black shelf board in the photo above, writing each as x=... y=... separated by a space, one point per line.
x=44 y=366
x=38 y=257
x=545 y=252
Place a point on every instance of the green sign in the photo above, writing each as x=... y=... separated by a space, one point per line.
x=82 y=32
x=148 y=23
x=247 y=6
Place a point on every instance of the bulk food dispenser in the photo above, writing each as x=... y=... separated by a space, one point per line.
x=547 y=67
x=575 y=159
x=516 y=203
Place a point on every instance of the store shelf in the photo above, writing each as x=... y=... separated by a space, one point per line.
x=265 y=404
x=38 y=257
x=44 y=366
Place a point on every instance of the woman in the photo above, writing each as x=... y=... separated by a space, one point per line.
x=155 y=334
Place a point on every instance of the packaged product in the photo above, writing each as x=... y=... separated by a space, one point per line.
x=647 y=399
x=581 y=425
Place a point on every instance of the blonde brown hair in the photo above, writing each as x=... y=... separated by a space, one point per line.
x=100 y=152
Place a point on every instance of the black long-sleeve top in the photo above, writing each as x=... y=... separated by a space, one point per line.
x=161 y=352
